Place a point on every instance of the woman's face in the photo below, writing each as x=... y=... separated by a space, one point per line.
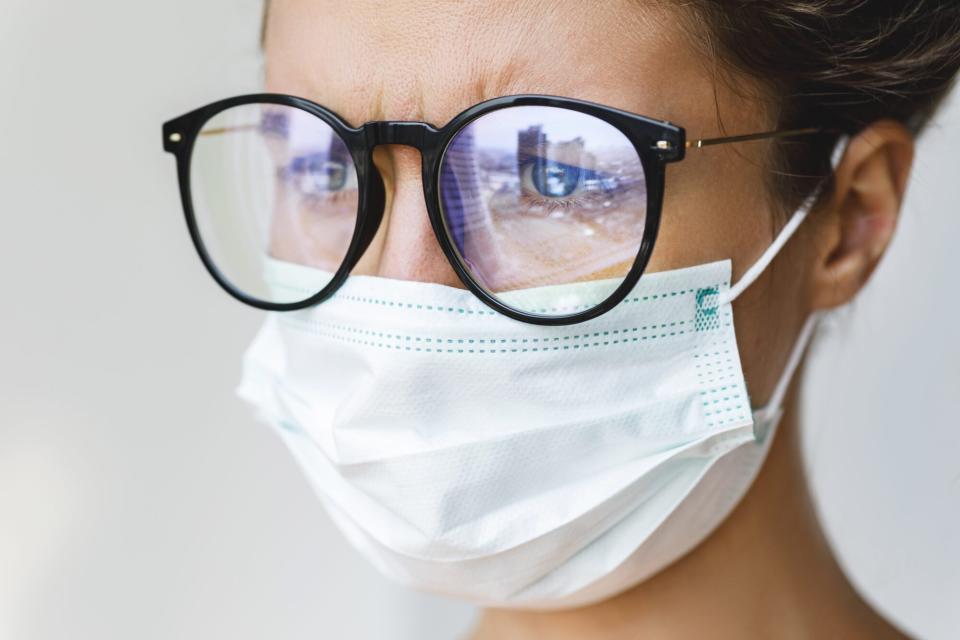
x=427 y=61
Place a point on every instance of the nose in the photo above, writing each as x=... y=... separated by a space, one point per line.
x=405 y=246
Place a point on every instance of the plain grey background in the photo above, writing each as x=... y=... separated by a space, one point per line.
x=139 y=499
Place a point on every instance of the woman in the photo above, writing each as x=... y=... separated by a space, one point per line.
x=557 y=381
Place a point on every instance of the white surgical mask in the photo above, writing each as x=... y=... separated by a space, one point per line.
x=510 y=464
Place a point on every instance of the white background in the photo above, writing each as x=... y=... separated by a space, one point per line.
x=139 y=499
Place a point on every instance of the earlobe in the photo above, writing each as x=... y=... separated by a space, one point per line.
x=870 y=183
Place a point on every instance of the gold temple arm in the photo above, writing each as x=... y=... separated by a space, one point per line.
x=220 y=130
x=708 y=142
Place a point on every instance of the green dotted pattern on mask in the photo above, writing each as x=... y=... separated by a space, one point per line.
x=708 y=312
x=722 y=392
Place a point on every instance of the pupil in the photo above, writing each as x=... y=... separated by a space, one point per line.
x=327 y=175
x=555 y=179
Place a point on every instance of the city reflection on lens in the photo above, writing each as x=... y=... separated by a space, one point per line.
x=536 y=196
x=272 y=183
x=316 y=192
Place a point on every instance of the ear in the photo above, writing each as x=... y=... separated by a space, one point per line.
x=855 y=231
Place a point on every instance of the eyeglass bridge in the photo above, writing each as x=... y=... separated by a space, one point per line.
x=413 y=134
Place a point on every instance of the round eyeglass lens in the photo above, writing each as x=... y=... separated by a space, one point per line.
x=546 y=207
x=274 y=195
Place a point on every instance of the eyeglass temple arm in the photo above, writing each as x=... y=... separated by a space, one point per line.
x=222 y=130
x=709 y=142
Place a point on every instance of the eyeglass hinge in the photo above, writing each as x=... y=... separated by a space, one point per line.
x=670 y=149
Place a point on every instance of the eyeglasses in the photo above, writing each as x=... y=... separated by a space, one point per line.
x=546 y=207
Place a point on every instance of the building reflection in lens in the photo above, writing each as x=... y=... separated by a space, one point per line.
x=548 y=211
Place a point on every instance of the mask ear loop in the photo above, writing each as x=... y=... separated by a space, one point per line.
x=766 y=418
x=758 y=267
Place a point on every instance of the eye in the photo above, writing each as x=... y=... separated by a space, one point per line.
x=551 y=178
x=327 y=175
x=318 y=174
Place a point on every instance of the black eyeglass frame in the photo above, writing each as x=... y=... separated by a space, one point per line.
x=656 y=142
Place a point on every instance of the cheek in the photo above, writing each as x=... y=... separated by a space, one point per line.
x=768 y=318
x=715 y=208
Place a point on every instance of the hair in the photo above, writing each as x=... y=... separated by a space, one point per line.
x=835 y=64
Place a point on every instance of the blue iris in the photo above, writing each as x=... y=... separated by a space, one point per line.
x=324 y=174
x=555 y=179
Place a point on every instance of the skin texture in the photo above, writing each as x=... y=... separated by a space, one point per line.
x=767 y=571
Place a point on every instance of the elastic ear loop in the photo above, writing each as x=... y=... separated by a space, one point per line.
x=766 y=418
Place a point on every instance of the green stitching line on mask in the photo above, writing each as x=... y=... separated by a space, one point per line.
x=720 y=411
x=407 y=343
x=413 y=305
x=493 y=350
x=480 y=311
x=585 y=336
x=723 y=421
x=716 y=390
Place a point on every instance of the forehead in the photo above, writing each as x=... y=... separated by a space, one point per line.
x=426 y=60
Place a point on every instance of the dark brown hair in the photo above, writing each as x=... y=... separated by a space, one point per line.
x=837 y=64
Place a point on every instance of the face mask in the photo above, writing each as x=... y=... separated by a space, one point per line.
x=515 y=465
